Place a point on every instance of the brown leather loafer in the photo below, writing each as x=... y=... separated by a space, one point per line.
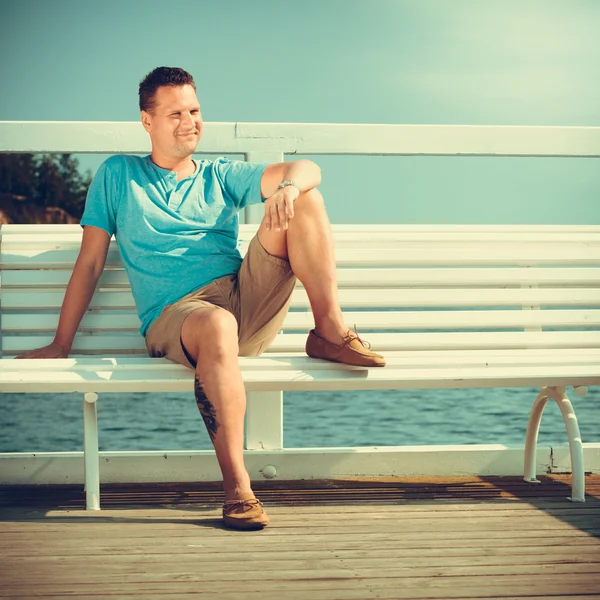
x=352 y=351
x=246 y=514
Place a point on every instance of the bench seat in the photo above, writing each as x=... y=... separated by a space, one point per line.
x=290 y=372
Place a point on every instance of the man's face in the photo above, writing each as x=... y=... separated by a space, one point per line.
x=175 y=125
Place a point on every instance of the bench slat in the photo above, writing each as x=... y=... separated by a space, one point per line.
x=509 y=319
x=358 y=232
x=576 y=254
x=157 y=380
x=354 y=298
x=292 y=342
x=365 y=278
x=461 y=229
x=26 y=243
x=282 y=361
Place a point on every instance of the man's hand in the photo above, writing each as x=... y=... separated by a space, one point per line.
x=53 y=350
x=279 y=208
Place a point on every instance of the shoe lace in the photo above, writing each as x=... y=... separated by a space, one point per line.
x=246 y=505
x=351 y=337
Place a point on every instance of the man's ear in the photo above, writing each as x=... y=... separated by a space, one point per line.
x=146 y=118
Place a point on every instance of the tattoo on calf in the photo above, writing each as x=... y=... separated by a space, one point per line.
x=207 y=410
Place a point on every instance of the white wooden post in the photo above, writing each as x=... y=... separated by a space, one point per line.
x=255 y=212
x=91 y=454
x=264 y=421
x=264 y=410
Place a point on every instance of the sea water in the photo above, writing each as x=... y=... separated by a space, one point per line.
x=171 y=421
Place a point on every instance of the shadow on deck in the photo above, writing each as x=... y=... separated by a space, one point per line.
x=378 y=490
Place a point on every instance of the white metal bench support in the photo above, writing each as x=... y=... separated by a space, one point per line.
x=264 y=420
x=90 y=451
x=575 y=444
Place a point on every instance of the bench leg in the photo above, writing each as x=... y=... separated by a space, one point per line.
x=264 y=420
x=558 y=394
x=91 y=455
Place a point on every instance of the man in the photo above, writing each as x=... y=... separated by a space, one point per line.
x=175 y=221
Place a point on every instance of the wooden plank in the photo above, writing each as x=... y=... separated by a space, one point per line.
x=361 y=592
x=131 y=343
x=134 y=380
x=282 y=362
x=358 y=236
x=422 y=254
x=553 y=530
x=374 y=523
x=436 y=588
x=25 y=552
x=502 y=526
x=362 y=513
x=331 y=590
x=175 y=546
x=288 y=562
x=122 y=563
x=229 y=549
x=464 y=319
x=128 y=343
x=303 y=321
x=290 y=557
x=319 y=138
x=310 y=138
x=381 y=578
x=454 y=504
x=458 y=230
x=353 y=298
x=137 y=501
x=447 y=277
x=395 y=496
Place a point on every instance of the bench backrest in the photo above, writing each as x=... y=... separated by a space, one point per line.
x=406 y=287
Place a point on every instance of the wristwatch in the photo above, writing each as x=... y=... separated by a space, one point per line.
x=286 y=183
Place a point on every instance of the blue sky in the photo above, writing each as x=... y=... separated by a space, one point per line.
x=509 y=62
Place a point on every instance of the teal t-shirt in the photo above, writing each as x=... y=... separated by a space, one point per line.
x=174 y=236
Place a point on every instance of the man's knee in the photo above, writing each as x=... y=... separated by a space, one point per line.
x=212 y=334
x=309 y=199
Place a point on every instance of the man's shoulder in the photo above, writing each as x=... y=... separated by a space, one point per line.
x=117 y=162
x=221 y=161
x=223 y=166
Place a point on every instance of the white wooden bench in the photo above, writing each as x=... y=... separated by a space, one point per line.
x=449 y=306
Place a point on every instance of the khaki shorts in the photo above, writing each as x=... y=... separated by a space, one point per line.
x=258 y=296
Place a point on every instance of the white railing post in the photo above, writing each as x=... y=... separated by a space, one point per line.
x=264 y=421
x=91 y=454
x=255 y=212
x=264 y=410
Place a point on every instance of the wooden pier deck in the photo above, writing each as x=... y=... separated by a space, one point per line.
x=352 y=539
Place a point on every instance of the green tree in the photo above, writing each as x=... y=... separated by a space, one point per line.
x=18 y=174
x=45 y=180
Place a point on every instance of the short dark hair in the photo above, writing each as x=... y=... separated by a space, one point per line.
x=161 y=76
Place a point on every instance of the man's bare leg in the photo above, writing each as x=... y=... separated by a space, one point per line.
x=219 y=388
x=219 y=391
x=308 y=245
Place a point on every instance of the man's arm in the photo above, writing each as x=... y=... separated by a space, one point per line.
x=305 y=173
x=279 y=206
x=87 y=271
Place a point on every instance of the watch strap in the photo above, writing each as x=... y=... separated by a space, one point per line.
x=286 y=183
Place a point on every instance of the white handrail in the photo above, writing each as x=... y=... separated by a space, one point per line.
x=310 y=138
